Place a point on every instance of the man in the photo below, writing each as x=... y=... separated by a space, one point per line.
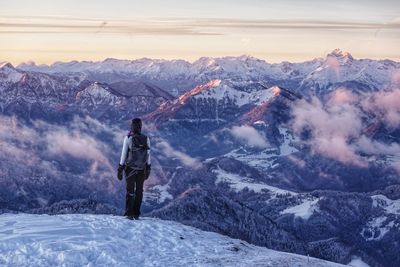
x=135 y=161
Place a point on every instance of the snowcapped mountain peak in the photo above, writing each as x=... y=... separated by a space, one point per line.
x=340 y=54
x=59 y=63
x=205 y=61
x=6 y=64
x=8 y=73
x=95 y=94
x=247 y=57
x=276 y=90
x=27 y=64
x=110 y=59
x=199 y=89
x=214 y=83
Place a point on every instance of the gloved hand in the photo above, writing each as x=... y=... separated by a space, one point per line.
x=120 y=171
x=147 y=171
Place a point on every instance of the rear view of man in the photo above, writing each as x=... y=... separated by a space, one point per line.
x=135 y=161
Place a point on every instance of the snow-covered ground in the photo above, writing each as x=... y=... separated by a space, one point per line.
x=390 y=206
x=265 y=159
x=262 y=160
x=104 y=240
x=239 y=183
x=303 y=210
x=357 y=262
x=376 y=228
x=158 y=193
x=285 y=148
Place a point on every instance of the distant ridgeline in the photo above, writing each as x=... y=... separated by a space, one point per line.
x=299 y=157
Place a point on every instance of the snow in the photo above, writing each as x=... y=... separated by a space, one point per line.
x=200 y=89
x=262 y=160
x=239 y=183
x=285 y=148
x=341 y=66
x=261 y=96
x=105 y=240
x=260 y=122
x=357 y=262
x=96 y=94
x=303 y=210
x=376 y=228
x=390 y=206
x=223 y=92
x=9 y=73
x=159 y=193
x=338 y=66
x=265 y=159
x=341 y=54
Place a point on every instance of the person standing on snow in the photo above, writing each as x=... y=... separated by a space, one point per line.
x=135 y=161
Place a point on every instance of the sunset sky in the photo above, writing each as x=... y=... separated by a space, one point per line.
x=46 y=31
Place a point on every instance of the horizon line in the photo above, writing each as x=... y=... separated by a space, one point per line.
x=49 y=64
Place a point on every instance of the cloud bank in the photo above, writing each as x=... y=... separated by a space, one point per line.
x=249 y=136
x=340 y=127
x=41 y=143
x=174 y=26
x=170 y=152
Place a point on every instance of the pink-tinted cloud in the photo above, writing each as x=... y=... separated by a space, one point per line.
x=332 y=127
x=396 y=77
x=327 y=121
x=386 y=105
x=369 y=146
x=299 y=162
x=338 y=148
x=334 y=67
x=342 y=96
x=337 y=125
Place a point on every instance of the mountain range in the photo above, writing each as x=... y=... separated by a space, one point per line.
x=299 y=157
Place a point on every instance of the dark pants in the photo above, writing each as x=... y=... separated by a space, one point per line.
x=134 y=191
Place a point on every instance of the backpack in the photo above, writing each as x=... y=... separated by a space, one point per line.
x=138 y=154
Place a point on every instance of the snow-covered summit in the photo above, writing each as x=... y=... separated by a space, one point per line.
x=8 y=74
x=340 y=54
x=341 y=67
x=337 y=67
x=6 y=64
x=103 y=240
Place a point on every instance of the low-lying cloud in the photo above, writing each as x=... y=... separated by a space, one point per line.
x=385 y=105
x=78 y=145
x=339 y=126
x=171 y=152
x=249 y=136
x=332 y=126
x=39 y=143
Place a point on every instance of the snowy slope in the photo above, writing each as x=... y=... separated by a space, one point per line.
x=8 y=71
x=238 y=183
x=378 y=227
x=102 y=240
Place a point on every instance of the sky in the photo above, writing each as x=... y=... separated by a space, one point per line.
x=46 y=31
